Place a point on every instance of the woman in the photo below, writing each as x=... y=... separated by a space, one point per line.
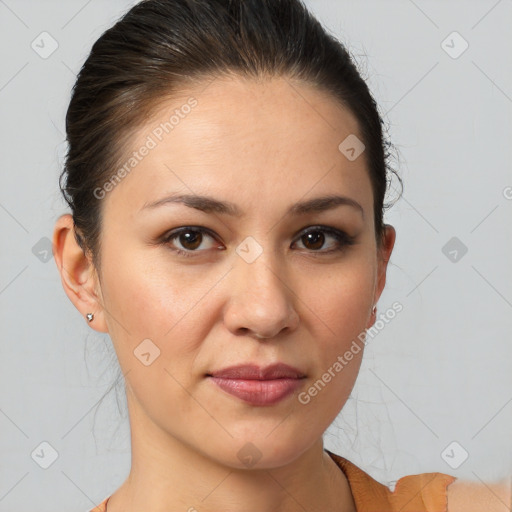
x=226 y=174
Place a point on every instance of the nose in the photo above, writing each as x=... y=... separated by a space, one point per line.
x=261 y=300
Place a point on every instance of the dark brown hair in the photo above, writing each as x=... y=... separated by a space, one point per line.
x=160 y=46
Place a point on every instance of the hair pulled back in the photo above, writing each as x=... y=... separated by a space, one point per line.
x=160 y=46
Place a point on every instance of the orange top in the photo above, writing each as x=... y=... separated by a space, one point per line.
x=413 y=493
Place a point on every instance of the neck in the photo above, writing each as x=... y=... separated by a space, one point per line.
x=167 y=475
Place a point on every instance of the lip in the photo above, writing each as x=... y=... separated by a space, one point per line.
x=256 y=385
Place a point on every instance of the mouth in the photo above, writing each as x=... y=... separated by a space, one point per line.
x=256 y=385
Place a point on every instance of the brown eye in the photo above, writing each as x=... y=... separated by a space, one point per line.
x=187 y=240
x=314 y=240
x=190 y=240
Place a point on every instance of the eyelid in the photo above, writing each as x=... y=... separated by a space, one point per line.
x=342 y=237
x=175 y=233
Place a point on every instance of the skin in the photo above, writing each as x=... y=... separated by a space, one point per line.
x=263 y=146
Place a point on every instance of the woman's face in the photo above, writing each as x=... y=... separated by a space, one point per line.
x=260 y=281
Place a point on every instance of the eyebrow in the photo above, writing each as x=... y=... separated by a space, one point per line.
x=209 y=204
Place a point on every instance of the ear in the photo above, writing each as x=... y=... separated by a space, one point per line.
x=78 y=275
x=384 y=254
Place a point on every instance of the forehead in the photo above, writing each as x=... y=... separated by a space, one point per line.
x=251 y=140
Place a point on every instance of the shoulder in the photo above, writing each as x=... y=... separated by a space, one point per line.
x=466 y=496
x=102 y=507
x=426 y=492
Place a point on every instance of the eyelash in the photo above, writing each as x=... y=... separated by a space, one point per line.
x=343 y=239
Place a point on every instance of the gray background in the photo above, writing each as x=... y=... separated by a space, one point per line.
x=439 y=372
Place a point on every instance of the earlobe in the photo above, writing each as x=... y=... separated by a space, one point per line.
x=373 y=317
x=78 y=275
x=383 y=258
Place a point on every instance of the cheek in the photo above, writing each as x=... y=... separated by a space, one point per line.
x=342 y=298
x=153 y=298
x=340 y=308
x=149 y=294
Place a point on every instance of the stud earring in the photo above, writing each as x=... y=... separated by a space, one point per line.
x=89 y=317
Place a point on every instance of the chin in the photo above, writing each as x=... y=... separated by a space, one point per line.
x=265 y=451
